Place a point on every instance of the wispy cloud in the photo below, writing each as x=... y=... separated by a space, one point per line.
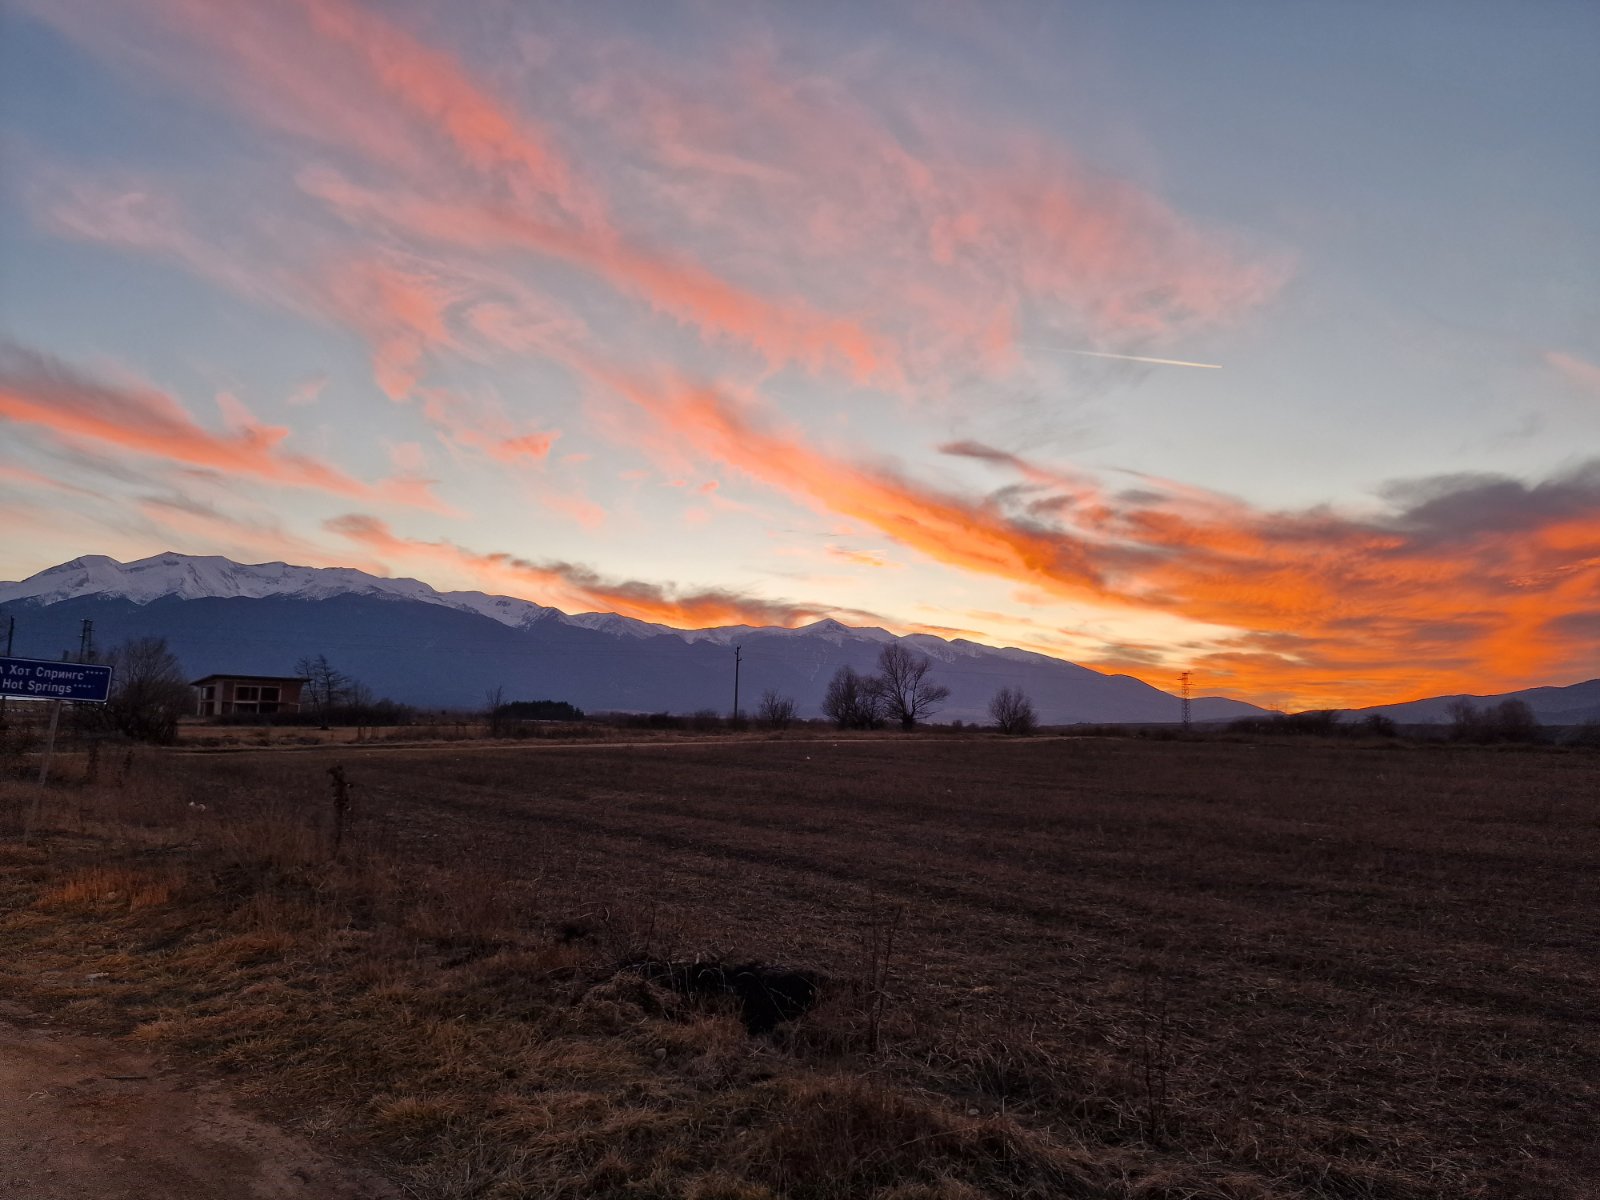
x=41 y=392
x=576 y=588
x=793 y=204
x=1460 y=581
x=1577 y=370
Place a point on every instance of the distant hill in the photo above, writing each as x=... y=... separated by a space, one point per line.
x=1571 y=705
x=434 y=649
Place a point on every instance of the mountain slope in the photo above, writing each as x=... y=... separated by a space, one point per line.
x=447 y=649
x=1570 y=705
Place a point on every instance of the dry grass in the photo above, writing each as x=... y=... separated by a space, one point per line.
x=1116 y=969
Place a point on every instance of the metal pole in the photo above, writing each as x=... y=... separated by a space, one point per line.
x=44 y=771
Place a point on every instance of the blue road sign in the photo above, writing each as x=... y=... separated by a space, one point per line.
x=40 y=679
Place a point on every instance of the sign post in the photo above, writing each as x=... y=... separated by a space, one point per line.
x=58 y=682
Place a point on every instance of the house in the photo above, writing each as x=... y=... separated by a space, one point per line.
x=230 y=695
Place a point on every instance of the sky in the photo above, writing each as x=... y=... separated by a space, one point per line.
x=1258 y=340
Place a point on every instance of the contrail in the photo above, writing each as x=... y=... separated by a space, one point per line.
x=1163 y=362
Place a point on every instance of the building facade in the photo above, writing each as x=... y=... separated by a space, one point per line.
x=237 y=695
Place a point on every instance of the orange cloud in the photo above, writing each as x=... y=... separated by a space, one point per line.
x=576 y=588
x=860 y=558
x=1462 y=583
x=945 y=528
x=48 y=395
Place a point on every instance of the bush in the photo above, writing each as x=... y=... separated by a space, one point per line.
x=1508 y=721
x=1316 y=723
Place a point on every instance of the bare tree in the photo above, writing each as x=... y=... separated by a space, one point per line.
x=494 y=710
x=854 y=701
x=775 y=711
x=908 y=697
x=359 y=705
x=149 y=691
x=1012 y=712
x=326 y=686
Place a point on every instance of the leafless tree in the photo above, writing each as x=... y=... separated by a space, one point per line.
x=326 y=686
x=854 y=701
x=494 y=710
x=908 y=697
x=775 y=711
x=149 y=692
x=1012 y=712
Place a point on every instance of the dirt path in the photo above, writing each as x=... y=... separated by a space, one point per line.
x=89 y=1118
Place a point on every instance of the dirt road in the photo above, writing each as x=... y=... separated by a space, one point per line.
x=89 y=1118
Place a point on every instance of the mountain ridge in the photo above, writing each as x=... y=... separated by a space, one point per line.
x=221 y=615
x=582 y=643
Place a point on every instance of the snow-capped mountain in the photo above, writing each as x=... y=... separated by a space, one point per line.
x=193 y=577
x=409 y=641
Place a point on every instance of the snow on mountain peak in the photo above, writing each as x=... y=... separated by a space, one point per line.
x=196 y=577
x=193 y=577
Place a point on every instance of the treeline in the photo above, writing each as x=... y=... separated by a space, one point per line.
x=1507 y=722
x=1320 y=723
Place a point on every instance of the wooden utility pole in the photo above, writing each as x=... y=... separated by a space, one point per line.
x=737 y=654
x=1185 y=678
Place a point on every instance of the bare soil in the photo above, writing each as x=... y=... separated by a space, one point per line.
x=89 y=1118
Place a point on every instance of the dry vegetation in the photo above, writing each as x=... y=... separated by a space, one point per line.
x=1064 y=968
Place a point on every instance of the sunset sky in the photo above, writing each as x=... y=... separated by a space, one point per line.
x=1258 y=339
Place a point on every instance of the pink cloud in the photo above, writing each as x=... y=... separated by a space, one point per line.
x=308 y=391
x=1577 y=370
x=48 y=395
